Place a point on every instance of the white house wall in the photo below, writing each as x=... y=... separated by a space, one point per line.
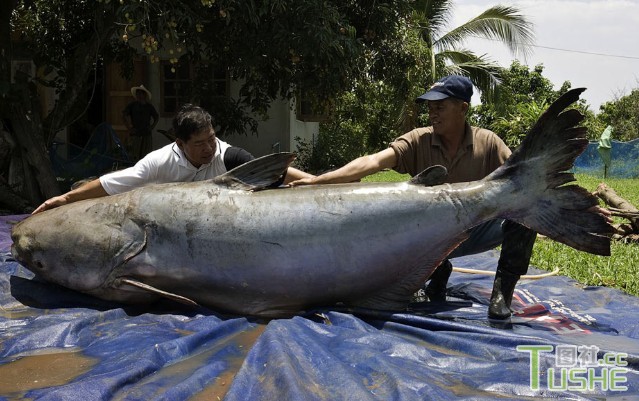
x=278 y=133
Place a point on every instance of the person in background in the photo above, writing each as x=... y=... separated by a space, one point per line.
x=140 y=118
x=197 y=154
x=468 y=153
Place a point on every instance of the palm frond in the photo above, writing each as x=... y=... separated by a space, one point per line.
x=460 y=55
x=482 y=71
x=500 y=23
x=436 y=13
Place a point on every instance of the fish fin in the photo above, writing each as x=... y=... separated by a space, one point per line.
x=537 y=170
x=257 y=174
x=135 y=236
x=434 y=175
x=146 y=287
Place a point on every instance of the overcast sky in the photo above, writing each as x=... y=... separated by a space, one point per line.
x=599 y=42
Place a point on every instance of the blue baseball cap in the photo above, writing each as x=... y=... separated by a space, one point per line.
x=451 y=86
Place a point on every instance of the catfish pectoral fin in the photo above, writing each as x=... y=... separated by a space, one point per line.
x=169 y=295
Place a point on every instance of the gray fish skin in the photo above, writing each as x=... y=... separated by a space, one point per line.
x=278 y=252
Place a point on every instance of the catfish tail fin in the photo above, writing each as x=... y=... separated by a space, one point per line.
x=538 y=172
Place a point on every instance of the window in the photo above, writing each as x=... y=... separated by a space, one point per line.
x=176 y=86
x=214 y=85
x=198 y=83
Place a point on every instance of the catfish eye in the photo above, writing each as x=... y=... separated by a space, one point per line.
x=38 y=265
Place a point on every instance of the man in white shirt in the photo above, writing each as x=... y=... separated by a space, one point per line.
x=197 y=154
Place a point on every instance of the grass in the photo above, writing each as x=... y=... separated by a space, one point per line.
x=386 y=176
x=620 y=270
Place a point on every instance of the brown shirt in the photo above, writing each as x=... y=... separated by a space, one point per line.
x=481 y=152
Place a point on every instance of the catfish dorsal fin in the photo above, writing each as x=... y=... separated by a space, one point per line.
x=434 y=175
x=151 y=289
x=257 y=174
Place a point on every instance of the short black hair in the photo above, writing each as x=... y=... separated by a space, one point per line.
x=189 y=120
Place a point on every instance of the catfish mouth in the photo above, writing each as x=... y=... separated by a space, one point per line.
x=16 y=255
x=24 y=248
x=23 y=254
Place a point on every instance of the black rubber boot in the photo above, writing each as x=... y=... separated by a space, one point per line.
x=502 y=296
x=436 y=288
x=514 y=258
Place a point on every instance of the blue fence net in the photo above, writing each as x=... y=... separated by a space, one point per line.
x=624 y=160
x=103 y=153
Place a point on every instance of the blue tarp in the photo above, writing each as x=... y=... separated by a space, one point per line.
x=56 y=344
x=624 y=160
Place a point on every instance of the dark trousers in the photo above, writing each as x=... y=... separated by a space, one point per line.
x=141 y=145
x=516 y=242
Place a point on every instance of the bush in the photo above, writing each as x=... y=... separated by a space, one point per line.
x=334 y=147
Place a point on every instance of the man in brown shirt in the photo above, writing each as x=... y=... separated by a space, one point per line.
x=469 y=153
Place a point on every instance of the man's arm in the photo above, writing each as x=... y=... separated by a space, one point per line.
x=89 y=190
x=236 y=156
x=293 y=174
x=355 y=170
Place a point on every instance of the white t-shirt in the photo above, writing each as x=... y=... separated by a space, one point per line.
x=167 y=164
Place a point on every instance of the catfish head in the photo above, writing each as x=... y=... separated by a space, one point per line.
x=77 y=253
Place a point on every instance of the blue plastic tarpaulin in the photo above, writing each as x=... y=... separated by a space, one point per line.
x=565 y=341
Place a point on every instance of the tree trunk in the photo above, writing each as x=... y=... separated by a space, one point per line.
x=12 y=201
x=6 y=8
x=20 y=107
x=27 y=130
x=611 y=198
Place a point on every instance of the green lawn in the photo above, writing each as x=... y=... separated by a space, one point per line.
x=620 y=270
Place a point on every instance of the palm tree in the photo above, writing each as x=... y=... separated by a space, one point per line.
x=444 y=54
x=441 y=51
x=380 y=103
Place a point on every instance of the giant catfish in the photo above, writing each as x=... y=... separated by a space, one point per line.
x=235 y=246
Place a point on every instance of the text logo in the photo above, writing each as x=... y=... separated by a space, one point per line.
x=576 y=368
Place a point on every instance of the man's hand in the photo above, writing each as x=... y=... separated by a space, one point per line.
x=302 y=181
x=602 y=211
x=90 y=190
x=51 y=203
